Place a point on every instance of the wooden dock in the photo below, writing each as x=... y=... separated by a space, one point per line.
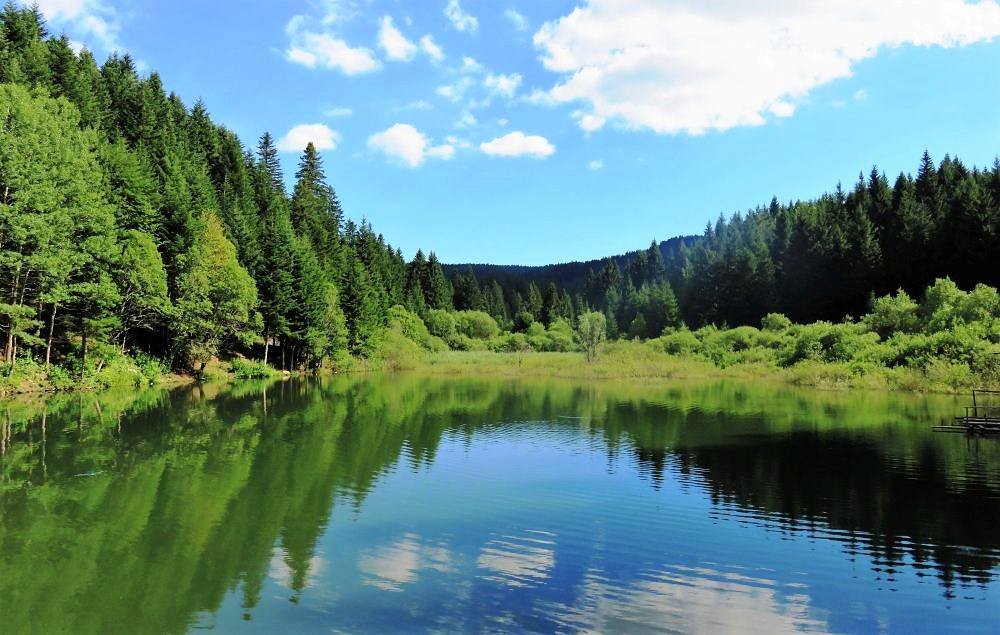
x=981 y=418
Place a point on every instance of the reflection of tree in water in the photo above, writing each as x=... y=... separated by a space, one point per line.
x=899 y=510
x=149 y=508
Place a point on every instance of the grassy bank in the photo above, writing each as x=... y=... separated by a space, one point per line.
x=633 y=360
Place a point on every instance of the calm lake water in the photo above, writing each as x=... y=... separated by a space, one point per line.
x=413 y=503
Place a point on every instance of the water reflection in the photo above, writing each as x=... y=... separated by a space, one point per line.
x=470 y=504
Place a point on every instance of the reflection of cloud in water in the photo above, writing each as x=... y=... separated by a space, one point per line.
x=519 y=561
x=688 y=600
x=390 y=567
x=281 y=573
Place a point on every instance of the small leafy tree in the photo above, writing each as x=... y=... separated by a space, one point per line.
x=591 y=330
x=217 y=297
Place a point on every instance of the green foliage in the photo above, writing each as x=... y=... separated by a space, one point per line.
x=217 y=299
x=775 y=323
x=591 y=331
x=413 y=328
x=476 y=325
x=249 y=369
x=440 y=323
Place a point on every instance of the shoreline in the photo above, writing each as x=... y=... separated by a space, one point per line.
x=626 y=364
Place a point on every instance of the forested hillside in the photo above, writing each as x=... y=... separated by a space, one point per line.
x=811 y=260
x=130 y=221
x=132 y=224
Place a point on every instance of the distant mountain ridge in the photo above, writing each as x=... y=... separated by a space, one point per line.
x=569 y=275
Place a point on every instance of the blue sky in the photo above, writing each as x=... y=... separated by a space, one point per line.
x=539 y=131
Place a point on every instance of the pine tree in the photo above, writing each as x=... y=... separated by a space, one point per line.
x=437 y=292
x=316 y=212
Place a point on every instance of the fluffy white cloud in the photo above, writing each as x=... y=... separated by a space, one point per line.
x=691 y=66
x=518 y=144
x=461 y=20
x=595 y=165
x=499 y=84
x=314 y=49
x=431 y=48
x=296 y=139
x=393 y=43
x=518 y=20
x=90 y=19
x=402 y=142
x=590 y=122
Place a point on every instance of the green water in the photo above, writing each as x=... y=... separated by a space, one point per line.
x=414 y=504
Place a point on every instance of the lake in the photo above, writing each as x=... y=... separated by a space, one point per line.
x=411 y=503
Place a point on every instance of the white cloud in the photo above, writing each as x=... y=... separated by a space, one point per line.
x=90 y=19
x=517 y=144
x=469 y=65
x=458 y=142
x=402 y=142
x=431 y=48
x=335 y=11
x=338 y=111
x=589 y=122
x=691 y=66
x=296 y=139
x=419 y=104
x=499 y=84
x=325 y=51
x=595 y=165
x=467 y=119
x=455 y=91
x=443 y=151
x=393 y=43
x=314 y=49
x=860 y=95
x=461 y=20
x=539 y=97
x=782 y=109
x=518 y=20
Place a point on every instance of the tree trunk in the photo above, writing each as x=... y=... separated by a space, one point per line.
x=267 y=345
x=48 y=344
x=83 y=335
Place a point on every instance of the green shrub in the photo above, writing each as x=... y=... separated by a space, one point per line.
x=476 y=324
x=440 y=323
x=680 y=342
x=411 y=326
x=775 y=322
x=251 y=369
x=510 y=343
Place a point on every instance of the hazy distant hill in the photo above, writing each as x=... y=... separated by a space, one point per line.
x=570 y=275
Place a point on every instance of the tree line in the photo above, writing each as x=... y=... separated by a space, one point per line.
x=821 y=259
x=131 y=222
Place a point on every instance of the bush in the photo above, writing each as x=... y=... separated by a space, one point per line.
x=680 y=342
x=476 y=324
x=510 y=343
x=251 y=369
x=892 y=314
x=411 y=326
x=775 y=322
x=440 y=323
x=396 y=351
